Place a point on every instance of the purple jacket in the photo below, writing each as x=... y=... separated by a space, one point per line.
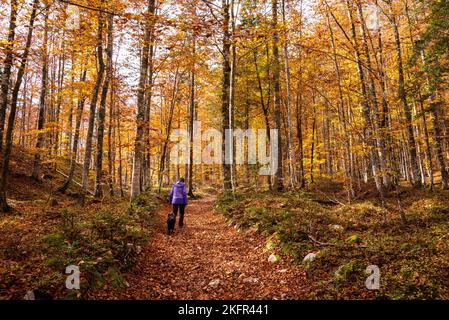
x=178 y=193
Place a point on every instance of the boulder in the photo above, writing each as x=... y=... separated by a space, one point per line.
x=29 y=296
x=273 y=258
x=251 y=280
x=310 y=257
x=214 y=283
x=283 y=270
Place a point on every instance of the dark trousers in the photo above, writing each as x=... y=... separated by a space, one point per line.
x=181 y=208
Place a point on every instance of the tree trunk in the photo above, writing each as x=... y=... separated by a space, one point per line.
x=93 y=103
x=7 y=66
x=111 y=143
x=288 y=104
x=279 y=176
x=140 y=118
x=148 y=104
x=15 y=94
x=225 y=99
x=402 y=95
x=192 y=116
x=102 y=110
x=164 y=158
x=120 y=155
x=76 y=136
x=366 y=111
x=380 y=143
x=341 y=113
x=42 y=100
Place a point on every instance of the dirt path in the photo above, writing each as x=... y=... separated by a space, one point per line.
x=182 y=266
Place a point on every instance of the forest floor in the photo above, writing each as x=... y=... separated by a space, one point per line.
x=223 y=252
x=208 y=259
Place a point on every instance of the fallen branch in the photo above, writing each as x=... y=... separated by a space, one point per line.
x=321 y=243
x=75 y=182
x=329 y=200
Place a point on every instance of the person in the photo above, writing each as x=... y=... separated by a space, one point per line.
x=178 y=198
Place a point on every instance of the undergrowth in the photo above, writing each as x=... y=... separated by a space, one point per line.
x=103 y=243
x=413 y=258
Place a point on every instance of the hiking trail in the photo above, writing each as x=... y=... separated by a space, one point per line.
x=187 y=264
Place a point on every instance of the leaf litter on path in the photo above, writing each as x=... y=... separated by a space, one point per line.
x=208 y=259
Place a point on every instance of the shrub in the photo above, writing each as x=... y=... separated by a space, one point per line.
x=104 y=244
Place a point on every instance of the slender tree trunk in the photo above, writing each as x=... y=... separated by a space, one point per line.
x=384 y=114
x=341 y=112
x=148 y=104
x=23 y=113
x=111 y=144
x=140 y=118
x=279 y=175
x=366 y=111
x=15 y=94
x=232 y=97
x=102 y=109
x=402 y=94
x=427 y=142
x=78 y=117
x=69 y=128
x=192 y=115
x=120 y=154
x=225 y=98
x=312 y=147
x=162 y=164
x=42 y=101
x=380 y=143
x=299 y=134
x=437 y=133
x=93 y=103
x=60 y=82
x=246 y=149
x=7 y=66
x=265 y=107
x=299 y=102
x=288 y=104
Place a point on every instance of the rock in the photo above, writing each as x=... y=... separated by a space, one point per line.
x=29 y=296
x=251 y=280
x=283 y=270
x=273 y=258
x=214 y=283
x=337 y=227
x=310 y=257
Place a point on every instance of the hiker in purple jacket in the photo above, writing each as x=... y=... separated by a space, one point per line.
x=178 y=198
